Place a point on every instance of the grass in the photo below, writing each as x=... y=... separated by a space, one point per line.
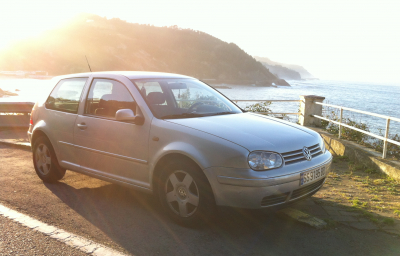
x=371 y=171
x=375 y=198
x=373 y=195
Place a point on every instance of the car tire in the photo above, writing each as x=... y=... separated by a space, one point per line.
x=185 y=193
x=45 y=161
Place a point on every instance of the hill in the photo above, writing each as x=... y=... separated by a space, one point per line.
x=285 y=71
x=113 y=44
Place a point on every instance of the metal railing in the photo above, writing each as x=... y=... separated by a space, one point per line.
x=388 y=119
x=298 y=113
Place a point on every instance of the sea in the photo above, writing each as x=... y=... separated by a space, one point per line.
x=377 y=98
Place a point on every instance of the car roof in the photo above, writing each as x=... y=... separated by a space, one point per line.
x=131 y=74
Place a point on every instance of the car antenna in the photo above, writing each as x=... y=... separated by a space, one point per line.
x=88 y=64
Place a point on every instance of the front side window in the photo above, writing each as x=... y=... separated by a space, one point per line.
x=106 y=97
x=65 y=96
x=183 y=98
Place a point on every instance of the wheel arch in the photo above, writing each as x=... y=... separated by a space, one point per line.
x=37 y=134
x=168 y=158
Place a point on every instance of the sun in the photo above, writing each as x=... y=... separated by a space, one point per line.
x=24 y=19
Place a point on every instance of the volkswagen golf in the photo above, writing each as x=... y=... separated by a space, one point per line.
x=177 y=138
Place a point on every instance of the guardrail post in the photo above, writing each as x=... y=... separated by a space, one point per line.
x=308 y=109
x=385 y=142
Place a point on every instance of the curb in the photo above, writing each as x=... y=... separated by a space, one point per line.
x=22 y=145
x=304 y=218
x=75 y=241
x=360 y=154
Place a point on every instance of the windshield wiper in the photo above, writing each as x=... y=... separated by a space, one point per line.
x=183 y=115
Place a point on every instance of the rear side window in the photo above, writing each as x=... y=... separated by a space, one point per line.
x=106 y=97
x=65 y=96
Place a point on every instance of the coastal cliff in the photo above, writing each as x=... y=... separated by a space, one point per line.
x=285 y=71
x=113 y=44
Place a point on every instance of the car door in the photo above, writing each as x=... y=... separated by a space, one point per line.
x=108 y=148
x=60 y=115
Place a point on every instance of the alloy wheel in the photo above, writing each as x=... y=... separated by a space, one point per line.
x=43 y=159
x=182 y=193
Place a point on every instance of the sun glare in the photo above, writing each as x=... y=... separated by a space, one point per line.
x=332 y=39
x=20 y=22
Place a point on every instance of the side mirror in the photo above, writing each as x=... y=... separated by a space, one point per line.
x=127 y=115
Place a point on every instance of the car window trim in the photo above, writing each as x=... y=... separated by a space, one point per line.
x=104 y=117
x=80 y=97
x=108 y=118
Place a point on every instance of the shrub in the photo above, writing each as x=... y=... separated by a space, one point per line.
x=260 y=107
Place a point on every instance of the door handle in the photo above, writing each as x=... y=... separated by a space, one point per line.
x=82 y=126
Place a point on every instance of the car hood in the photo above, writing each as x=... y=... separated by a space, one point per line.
x=254 y=132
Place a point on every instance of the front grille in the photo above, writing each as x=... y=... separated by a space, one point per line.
x=297 y=155
x=307 y=189
x=274 y=199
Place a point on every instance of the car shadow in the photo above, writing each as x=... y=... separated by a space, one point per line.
x=136 y=222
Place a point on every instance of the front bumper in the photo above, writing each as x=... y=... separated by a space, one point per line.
x=245 y=188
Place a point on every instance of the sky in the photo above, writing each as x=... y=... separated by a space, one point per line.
x=346 y=40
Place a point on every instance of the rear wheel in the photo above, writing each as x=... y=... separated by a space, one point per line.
x=45 y=161
x=185 y=193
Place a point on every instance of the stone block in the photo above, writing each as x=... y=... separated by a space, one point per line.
x=308 y=108
x=304 y=218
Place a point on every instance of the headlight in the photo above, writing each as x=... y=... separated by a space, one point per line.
x=322 y=145
x=261 y=160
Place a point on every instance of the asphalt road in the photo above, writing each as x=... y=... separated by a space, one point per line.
x=133 y=223
x=16 y=239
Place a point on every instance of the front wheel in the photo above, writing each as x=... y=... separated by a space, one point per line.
x=45 y=161
x=185 y=194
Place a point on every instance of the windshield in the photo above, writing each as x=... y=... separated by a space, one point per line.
x=183 y=98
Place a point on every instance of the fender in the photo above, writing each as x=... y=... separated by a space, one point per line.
x=181 y=148
x=40 y=126
x=203 y=149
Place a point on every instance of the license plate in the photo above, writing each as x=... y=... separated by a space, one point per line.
x=310 y=176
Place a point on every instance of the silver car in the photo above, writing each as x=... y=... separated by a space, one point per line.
x=175 y=137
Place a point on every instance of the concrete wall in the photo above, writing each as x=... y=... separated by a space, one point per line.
x=361 y=155
x=14 y=120
x=11 y=120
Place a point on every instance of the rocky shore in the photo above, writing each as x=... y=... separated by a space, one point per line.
x=7 y=93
